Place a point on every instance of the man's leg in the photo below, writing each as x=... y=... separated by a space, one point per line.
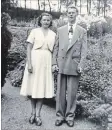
x=72 y=86
x=61 y=97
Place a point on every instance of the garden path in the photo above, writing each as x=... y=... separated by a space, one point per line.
x=16 y=111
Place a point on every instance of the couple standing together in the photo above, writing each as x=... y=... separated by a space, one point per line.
x=47 y=52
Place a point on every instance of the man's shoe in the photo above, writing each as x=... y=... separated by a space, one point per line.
x=70 y=123
x=59 y=122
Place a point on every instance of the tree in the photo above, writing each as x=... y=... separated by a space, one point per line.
x=75 y=2
x=49 y=5
x=25 y=4
x=60 y=6
x=89 y=6
x=20 y=3
x=30 y=4
x=105 y=5
x=38 y=5
x=44 y=5
x=80 y=6
x=98 y=7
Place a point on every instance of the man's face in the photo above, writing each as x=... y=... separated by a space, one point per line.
x=72 y=13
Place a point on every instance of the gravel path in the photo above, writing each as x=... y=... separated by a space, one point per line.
x=16 y=112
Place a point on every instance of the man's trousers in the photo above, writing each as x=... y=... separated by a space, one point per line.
x=67 y=86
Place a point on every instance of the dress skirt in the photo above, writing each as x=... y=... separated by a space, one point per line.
x=40 y=83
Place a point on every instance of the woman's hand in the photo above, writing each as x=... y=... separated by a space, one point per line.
x=30 y=68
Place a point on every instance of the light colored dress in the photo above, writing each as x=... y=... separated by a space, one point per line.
x=40 y=83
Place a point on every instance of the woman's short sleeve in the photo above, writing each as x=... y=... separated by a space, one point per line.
x=31 y=37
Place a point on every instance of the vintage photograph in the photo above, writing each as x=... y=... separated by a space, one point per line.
x=56 y=64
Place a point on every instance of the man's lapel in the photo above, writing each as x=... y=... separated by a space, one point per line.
x=75 y=37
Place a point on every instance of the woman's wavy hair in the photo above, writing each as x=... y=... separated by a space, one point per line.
x=40 y=18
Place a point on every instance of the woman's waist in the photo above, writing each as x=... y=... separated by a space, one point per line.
x=43 y=47
x=40 y=54
x=40 y=49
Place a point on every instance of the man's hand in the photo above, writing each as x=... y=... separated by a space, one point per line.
x=79 y=69
x=30 y=68
x=55 y=68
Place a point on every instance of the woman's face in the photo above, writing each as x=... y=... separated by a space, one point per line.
x=45 y=21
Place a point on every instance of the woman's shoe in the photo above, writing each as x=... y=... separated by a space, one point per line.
x=38 y=121
x=32 y=119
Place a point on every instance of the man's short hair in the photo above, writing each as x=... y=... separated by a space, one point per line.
x=72 y=6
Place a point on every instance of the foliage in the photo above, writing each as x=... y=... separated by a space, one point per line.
x=16 y=74
x=96 y=26
x=17 y=52
x=28 y=14
x=93 y=7
x=6 y=38
x=5 y=5
x=96 y=81
x=5 y=19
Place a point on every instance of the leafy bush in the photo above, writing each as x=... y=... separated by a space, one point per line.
x=96 y=82
x=17 y=52
x=6 y=38
x=16 y=74
x=96 y=26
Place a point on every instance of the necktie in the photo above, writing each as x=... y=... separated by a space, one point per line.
x=71 y=29
x=70 y=32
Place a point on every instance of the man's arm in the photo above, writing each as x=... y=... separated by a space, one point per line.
x=83 y=50
x=55 y=50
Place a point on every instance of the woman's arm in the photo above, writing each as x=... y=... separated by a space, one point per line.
x=55 y=54
x=29 y=48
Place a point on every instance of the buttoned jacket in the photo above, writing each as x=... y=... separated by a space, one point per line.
x=69 y=55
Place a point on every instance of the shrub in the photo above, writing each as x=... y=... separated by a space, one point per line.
x=6 y=38
x=96 y=82
x=16 y=74
x=17 y=52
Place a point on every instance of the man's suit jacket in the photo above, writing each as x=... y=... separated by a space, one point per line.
x=68 y=56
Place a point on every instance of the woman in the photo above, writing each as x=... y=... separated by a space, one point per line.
x=38 y=80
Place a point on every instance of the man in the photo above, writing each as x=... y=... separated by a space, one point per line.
x=68 y=57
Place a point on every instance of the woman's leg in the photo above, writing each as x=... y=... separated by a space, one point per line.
x=33 y=114
x=38 y=110
x=33 y=104
x=39 y=106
